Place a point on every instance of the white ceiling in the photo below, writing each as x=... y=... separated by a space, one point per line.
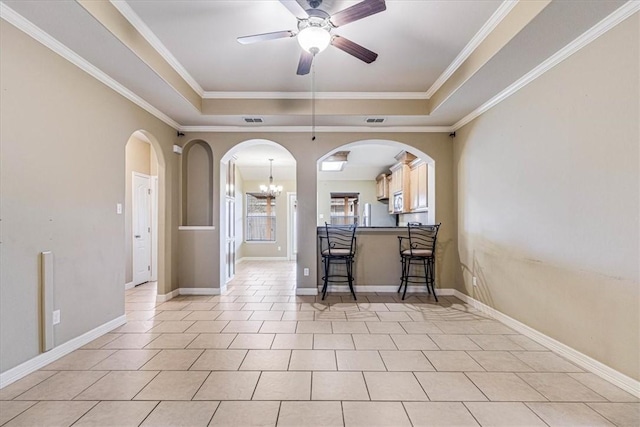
x=414 y=39
x=421 y=44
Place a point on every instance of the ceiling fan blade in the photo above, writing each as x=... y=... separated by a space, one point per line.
x=266 y=36
x=295 y=8
x=362 y=53
x=304 y=66
x=358 y=11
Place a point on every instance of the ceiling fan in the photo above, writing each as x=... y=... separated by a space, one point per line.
x=314 y=30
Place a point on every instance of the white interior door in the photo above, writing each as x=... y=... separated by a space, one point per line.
x=141 y=228
x=231 y=238
x=293 y=226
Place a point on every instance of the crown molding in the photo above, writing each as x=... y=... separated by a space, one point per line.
x=26 y=26
x=318 y=95
x=319 y=129
x=502 y=11
x=622 y=13
x=133 y=18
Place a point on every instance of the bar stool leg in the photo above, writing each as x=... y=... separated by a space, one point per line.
x=426 y=274
x=350 y=276
x=326 y=277
x=406 y=277
x=432 y=276
x=402 y=264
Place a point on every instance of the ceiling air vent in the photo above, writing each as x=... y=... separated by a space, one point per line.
x=253 y=120
x=375 y=120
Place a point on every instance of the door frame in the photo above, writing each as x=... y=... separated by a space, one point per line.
x=291 y=232
x=154 y=228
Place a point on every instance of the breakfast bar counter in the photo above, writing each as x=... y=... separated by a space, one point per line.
x=377 y=261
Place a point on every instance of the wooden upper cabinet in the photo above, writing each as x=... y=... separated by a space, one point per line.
x=418 y=186
x=382 y=187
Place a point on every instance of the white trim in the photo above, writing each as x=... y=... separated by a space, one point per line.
x=264 y=258
x=155 y=42
x=169 y=296
x=196 y=227
x=43 y=359
x=290 y=231
x=128 y=286
x=199 y=291
x=318 y=95
x=491 y=24
x=587 y=37
x=39 y=35
x=306 y=291
x=187 y=291
x=155 y=186
x=626 y=383
x=321 y=129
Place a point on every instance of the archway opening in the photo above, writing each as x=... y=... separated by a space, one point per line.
x=367 y=171
x=380 y=186
x=256 y=226
x=143 y=210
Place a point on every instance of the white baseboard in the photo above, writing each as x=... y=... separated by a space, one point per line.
x=14 y=374
x=199 y=291
x=306 y=291
x=128 y=286
x=187 y=291
x=619 y=379
x=167 y=297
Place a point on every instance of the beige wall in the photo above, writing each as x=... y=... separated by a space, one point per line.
x=197 y=182
x=438 y=146
x=62 y=172
x=268 y=249
x=548 y=187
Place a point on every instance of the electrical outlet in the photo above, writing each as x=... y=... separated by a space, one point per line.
x=119 y=208
x=321 y=216
x=306 y=271
x=474 y=281
x=56 y=317
x=279 y=248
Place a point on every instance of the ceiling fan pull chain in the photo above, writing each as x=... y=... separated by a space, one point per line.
x=313 y=101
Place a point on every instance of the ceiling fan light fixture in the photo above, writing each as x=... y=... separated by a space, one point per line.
x=314 y=39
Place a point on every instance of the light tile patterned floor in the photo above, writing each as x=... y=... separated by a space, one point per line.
x=259 y=355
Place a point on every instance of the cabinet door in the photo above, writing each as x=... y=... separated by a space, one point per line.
x=422 y=188
x=414 y=188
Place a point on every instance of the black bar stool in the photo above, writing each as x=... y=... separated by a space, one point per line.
x=418 y=250
x=338 y=246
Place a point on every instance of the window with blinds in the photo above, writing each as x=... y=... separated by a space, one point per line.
x=261 y=218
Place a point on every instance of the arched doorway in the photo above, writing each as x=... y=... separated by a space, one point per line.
x=253 y=225
x=144 y=210
x=351 y=189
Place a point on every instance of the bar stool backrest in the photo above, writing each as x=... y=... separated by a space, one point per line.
x=340 y=240
x=422 y=239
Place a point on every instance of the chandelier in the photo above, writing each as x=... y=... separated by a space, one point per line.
x=271 y=190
